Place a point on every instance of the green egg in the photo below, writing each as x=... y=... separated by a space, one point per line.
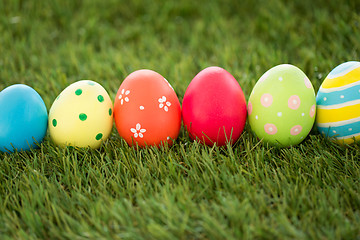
x=282 y=106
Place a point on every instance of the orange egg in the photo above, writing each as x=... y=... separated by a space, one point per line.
x=147 y=110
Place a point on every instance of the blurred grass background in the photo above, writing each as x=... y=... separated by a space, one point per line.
x=187 y=191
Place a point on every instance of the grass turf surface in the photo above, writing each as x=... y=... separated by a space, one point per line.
x=187 y=191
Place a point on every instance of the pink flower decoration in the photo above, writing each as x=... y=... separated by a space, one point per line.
x=312 y=110
x=249 y=108
x=307 y=82
x=270 y=128
x=266 y=100
x=294 y=102
x=295 y=130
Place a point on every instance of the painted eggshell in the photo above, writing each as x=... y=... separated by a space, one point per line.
x=81 y=116
x=23 y=118
x=338 y=104
x=147 y=111
x=214 y=107
x=282 y=106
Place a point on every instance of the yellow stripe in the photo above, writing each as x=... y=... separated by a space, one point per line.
x=348 y=78
x=336 y=115
x=349 y=140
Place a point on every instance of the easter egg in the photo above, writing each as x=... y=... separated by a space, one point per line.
x=338 y=104
x=214 y=107
x=282 y=106
x=23 y=118
x=81 y=116
x=147 y=111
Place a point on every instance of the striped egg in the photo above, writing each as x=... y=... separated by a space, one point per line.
x=338 y=104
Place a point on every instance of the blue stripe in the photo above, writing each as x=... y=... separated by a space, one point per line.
x=342 y=68
x=341 y=131
x=332 y=98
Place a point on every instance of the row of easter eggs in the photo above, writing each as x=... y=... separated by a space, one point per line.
x=281 y=110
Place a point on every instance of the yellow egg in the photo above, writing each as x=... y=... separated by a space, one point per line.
x=81 y=116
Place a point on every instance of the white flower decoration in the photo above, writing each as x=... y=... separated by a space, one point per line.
x=124 y=94
x=138 y=131
x=164 y=104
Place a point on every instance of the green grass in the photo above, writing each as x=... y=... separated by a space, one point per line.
x=187 y=191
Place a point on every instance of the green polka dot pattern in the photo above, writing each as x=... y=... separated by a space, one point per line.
x=82 y=116
x=99 y=136
x=78 y=92
x=100 y=98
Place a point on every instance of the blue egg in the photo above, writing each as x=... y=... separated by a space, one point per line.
x=23 y=118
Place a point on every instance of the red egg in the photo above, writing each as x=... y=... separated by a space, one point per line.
x=214 y=107
x=147 y=110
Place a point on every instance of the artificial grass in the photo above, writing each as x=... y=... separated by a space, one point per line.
x=187 y=191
